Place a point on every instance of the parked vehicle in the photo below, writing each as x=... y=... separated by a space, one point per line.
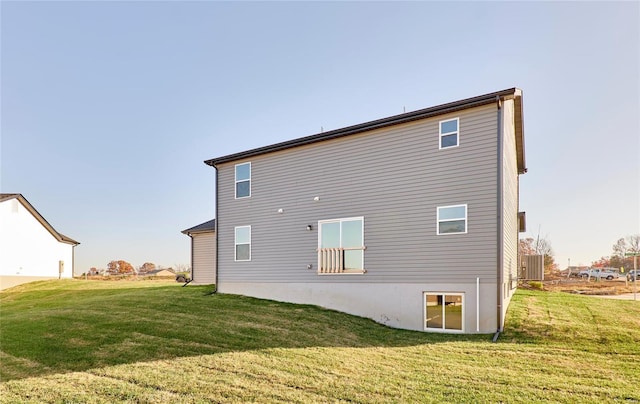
x=633 y=273
x=598 y=273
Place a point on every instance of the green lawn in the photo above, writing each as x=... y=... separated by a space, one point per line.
x=157 y=342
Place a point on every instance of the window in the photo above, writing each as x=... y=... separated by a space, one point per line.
x=341 y=246
x=443 y=311
x=243 y=243
x=243 y=180
x=452 y=219
x=449 y=133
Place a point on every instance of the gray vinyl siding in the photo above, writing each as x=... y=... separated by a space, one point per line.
x=395 y=177
x=204 y=253
x=510 y=203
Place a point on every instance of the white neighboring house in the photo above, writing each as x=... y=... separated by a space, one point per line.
x=30 y=248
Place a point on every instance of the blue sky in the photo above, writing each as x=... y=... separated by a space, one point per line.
x=108 y=109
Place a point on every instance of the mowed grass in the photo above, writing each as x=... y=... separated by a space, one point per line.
x=157 y=342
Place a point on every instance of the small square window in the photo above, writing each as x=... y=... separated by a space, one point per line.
x=452 y=219
x=243 y=180
x=449 y=131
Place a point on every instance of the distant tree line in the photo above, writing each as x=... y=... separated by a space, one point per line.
x=122 y=267
x=619 y=257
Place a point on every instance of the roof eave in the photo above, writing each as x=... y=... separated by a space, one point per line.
x=519 y=132
x=377 y=124
x=58 y=236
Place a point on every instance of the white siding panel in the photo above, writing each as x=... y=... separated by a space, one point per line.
x=27 y=248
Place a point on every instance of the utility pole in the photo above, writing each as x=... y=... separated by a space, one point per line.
x=635 y=272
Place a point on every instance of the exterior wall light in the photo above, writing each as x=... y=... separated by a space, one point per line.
x=309 y=227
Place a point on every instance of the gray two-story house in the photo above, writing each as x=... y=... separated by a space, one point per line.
x=411 y=220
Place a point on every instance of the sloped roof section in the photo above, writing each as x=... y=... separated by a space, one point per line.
x=59 y=236
x=202 y=228
x=511 y=93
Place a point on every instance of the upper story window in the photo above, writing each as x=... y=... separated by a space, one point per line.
x=449 y=131
x=452 y=219
x=341 y=246
x=243 y=180
x=243 y=243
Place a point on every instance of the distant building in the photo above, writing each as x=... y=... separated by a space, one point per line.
x=161 y=273
x=30 y=248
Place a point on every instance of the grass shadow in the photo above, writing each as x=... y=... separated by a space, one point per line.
x=66 y=326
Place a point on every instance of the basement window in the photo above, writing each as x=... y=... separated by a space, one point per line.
x=444 y=312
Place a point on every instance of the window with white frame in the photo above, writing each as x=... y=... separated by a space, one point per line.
x=341 y=245
x=452 y=219
x=444 y=312
x=243 y=243
x=243 y=180
x=449 y=133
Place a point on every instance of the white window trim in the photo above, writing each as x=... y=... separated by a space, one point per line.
x=235 y=176
x=236 y=244
x=466 y=220
x=340 y=220
x=442 y=330
x=457 y=133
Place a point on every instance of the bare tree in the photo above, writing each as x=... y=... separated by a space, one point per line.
x=538 y=246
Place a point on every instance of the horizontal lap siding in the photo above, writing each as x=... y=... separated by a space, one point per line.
x=204 y=263
x=510 y=201
x=394 y=177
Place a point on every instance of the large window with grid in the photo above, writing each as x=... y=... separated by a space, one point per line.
x=341 y=246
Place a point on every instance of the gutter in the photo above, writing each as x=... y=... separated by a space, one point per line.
x=368 y=126
x=500 y=235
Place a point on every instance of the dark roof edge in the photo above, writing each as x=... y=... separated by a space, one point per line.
x=57 y=235
x=379 y=123
x=205 y=227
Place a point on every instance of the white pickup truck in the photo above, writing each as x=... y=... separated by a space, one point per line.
x=598 y=274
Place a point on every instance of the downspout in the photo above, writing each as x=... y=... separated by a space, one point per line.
x=192 y=260
x=73 y=260
x=499 y=274
x=215 y=229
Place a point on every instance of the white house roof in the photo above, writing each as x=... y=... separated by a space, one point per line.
x=59 y=236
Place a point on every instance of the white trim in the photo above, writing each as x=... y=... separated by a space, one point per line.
x=441 y=135
x=443 y=329
x=235 y=184
x=340 y=220
x=235 y=243
x=466 y=220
